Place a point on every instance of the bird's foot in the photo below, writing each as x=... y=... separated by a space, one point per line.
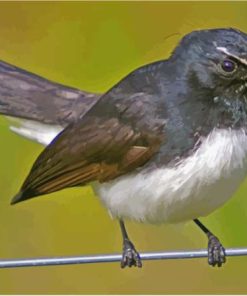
x=130 y=256
x=216 y=252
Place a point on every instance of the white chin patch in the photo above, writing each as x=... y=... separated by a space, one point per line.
x=35 y=131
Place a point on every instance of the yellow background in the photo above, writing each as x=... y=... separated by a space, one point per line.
x=91 y=46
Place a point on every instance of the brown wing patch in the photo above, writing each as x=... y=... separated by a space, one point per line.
x=102 y=172
x=92 y=149
x=136 y=155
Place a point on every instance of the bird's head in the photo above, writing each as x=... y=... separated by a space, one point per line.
x=215 y=62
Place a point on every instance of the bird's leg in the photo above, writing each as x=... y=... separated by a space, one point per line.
x=216 y=252
x=130 y=256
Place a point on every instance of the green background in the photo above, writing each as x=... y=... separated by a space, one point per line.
x=91 y=46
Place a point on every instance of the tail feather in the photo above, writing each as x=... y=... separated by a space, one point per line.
x=28 y=96
x=22 y=196
x=35 y=131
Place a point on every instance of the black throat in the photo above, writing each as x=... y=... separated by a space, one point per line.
x=193 y=111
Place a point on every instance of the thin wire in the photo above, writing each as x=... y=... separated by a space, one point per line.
x=107 y=258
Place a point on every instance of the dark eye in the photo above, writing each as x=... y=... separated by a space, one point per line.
x=228 y=66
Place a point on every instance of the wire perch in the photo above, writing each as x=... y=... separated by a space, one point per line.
x=192 y=254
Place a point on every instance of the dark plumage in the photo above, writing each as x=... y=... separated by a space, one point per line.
x=29 y=96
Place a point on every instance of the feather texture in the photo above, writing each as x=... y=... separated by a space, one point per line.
x=196 y=186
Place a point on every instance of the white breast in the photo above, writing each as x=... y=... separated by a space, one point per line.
x=197 y=186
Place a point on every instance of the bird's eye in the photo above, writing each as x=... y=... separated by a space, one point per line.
x=228 y=66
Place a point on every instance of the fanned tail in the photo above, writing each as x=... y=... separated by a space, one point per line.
x=29 y=96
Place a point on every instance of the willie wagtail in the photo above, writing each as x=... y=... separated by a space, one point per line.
x=167 y=143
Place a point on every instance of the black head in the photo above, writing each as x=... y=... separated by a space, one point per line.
x=215 y=63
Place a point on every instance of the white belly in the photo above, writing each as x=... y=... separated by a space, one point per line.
x=197 y=186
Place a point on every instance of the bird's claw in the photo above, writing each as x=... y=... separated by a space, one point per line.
x=216 y=252
x=130 y=256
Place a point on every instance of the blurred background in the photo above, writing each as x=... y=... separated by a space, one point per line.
x=91 y=46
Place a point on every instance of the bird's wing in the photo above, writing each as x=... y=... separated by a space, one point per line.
x=92 y=149
x=26 y=95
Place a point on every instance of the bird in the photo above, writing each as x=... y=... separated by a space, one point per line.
x=166 y=144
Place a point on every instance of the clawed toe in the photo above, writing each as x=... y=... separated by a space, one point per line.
x=216 y=252
x=130 y=256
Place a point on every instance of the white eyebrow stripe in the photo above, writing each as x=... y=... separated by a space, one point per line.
x=224 y=50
